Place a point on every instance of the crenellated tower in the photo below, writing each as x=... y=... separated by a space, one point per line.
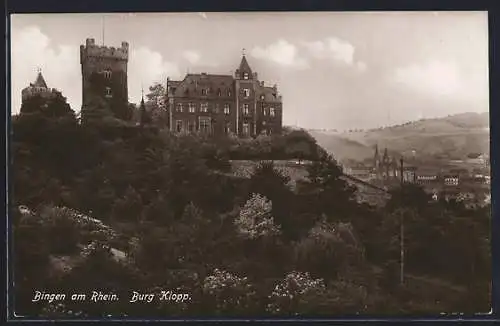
x=104 y=76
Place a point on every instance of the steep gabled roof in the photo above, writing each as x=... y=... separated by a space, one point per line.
x=40 y=81
x=244 y=66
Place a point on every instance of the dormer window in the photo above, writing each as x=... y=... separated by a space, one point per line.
x=245 y=75
x=108 y=92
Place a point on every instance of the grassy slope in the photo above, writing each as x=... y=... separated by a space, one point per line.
x=454 y=136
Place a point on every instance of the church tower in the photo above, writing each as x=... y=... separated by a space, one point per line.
x=376 y=160
x=246 y=105
x=144 y=116
x=104 y=75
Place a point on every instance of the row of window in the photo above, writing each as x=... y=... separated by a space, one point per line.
x=246 y=92
x=203 y=108
x=227 y=109
x=206 y=91
x=205 y=126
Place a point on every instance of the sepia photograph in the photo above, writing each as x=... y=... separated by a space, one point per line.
x=249 y=165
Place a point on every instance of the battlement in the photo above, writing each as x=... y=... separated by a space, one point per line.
x=90 y=49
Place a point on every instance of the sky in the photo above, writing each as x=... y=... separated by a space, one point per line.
x=338 y=70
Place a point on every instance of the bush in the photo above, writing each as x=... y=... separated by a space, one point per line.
x=228 y=294
x=296 y=294
x=329 y=250
x=62 y=230
x=255 y=218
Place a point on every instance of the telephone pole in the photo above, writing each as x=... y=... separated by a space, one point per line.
x=401 y=231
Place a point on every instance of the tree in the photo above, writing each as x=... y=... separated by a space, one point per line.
x=255 y=218
x=334 y=243
x=96 y=110
x=299 y=150
x=129 y=207
x=156 y=105
x=272 y=184
x=325 y=191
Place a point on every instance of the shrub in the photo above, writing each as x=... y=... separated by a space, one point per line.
x=330 y=249
x=255 y=218
x=288 y=296
x=228 y=293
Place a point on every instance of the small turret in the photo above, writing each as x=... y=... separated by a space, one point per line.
x=142 y=111
x=244 y=71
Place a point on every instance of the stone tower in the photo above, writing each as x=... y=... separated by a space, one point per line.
x=246 y=83
x=104 y=76
x=39 y=87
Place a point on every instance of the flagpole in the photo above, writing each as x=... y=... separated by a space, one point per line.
x=102 y=25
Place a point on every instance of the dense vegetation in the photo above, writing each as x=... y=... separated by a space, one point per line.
x=238 y=247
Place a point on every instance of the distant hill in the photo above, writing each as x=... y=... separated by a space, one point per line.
x=451 y=137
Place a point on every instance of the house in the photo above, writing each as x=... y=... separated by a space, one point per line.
x=410 y=174
x=212 y=104
x=451 y=180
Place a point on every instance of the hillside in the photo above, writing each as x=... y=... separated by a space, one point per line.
x=449 y=137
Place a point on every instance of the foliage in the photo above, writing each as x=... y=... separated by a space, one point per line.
x=329 y=242
x=326 y=192
x=228 y=293
x=291 y=296
x=171 y=217
x=255 y=218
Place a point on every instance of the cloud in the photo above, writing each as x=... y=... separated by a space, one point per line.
x=282 y=53
x=336 y=50
x=60 y=64
x=435 y=78
x=192 y=56
x=361 y=66
x=146 y=67
x=32 y=49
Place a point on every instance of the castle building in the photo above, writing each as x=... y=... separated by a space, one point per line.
x=224 y=104
x=38 y=88
x=104 y=75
